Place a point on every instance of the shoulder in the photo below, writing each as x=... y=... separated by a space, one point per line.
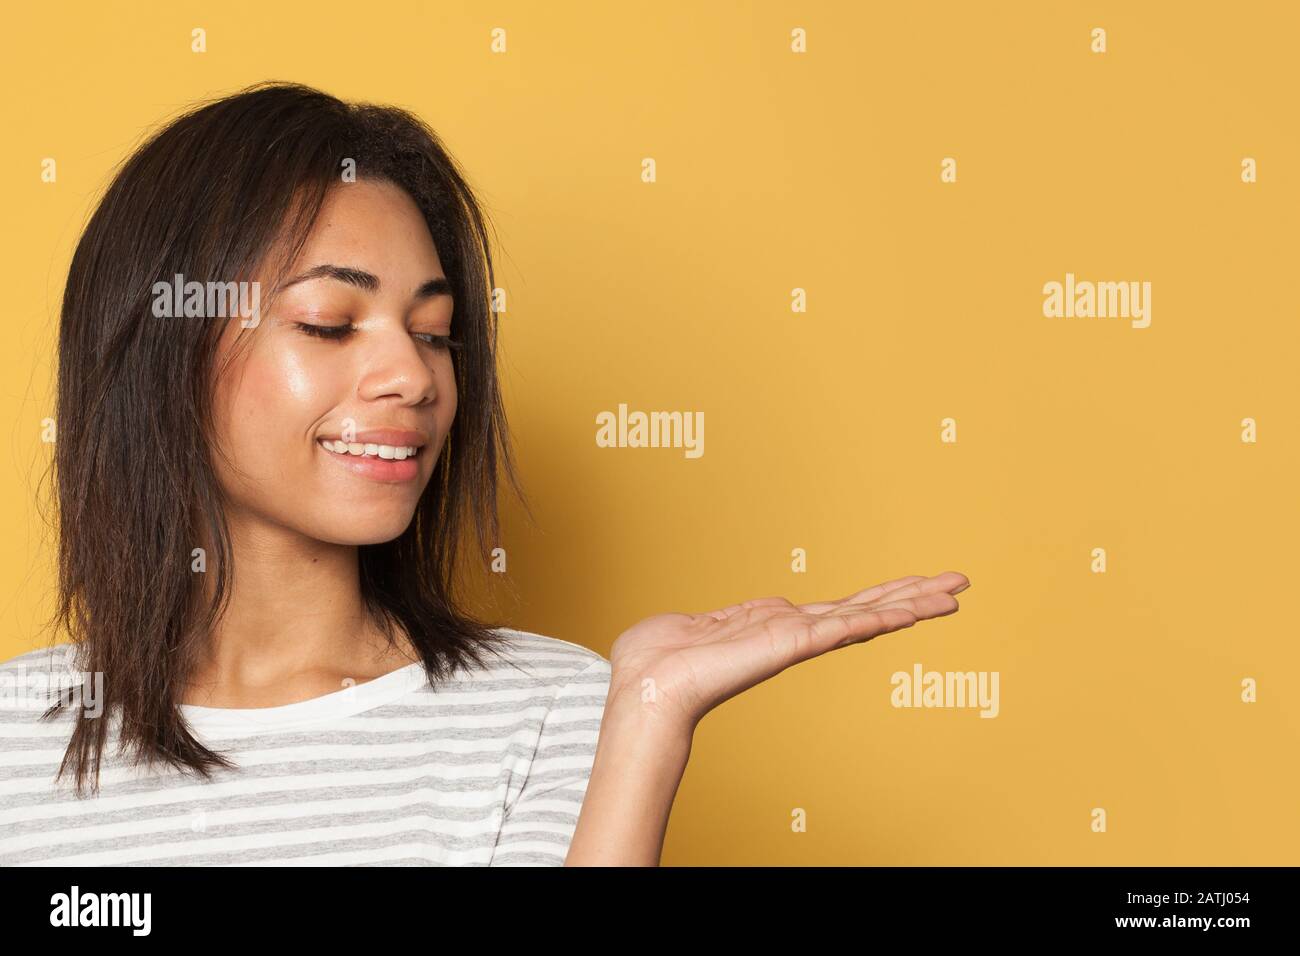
x=31 y=674
x=54 y=658
x=30 y=682
x=564 y=665
x=528 y=646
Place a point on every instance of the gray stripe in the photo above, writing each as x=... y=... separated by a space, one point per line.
x=510 y=753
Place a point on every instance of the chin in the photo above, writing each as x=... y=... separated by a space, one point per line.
x=356 y=524
x=356 y=535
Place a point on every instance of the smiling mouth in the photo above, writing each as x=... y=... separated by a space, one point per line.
x=365 y=450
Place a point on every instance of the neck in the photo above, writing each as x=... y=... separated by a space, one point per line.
x=295 y=624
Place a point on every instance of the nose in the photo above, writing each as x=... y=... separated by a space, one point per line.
x=396 y=368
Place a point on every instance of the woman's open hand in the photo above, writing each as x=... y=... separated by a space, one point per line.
x=680 y=666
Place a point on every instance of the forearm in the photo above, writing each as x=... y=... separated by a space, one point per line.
x=634 y=778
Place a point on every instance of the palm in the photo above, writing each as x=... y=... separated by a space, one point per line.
x=687 y=664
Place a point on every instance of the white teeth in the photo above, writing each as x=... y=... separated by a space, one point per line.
x=369 y=449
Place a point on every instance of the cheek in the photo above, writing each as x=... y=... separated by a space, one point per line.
x=290 y=378
x=278 y=396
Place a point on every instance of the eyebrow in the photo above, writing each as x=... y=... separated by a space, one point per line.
x=367 y=280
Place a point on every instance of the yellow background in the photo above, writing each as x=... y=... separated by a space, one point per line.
x=821 y=171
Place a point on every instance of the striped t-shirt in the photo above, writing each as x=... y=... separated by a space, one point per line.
x=488 y=768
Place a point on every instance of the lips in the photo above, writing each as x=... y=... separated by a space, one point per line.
x=358 y=449
x=388 y=470
x=381 y=454
x=384 y=436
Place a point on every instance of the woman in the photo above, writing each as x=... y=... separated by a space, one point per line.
x=277 y=409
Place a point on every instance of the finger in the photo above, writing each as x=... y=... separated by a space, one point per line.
x=762 y=652
x=923 y=606
x=935 y=603
x=723 y=613
x=769 y=647
x=835 y=630
x=870 y=594
x=950 y=581
x=854 y=624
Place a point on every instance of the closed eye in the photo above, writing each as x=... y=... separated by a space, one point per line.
x=327 y=331
x=438 y=341
x=339 y=332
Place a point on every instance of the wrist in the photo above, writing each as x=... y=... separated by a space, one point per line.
x=640 y=758
x=648 y=726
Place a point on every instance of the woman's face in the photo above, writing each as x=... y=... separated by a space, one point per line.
x=343 y=375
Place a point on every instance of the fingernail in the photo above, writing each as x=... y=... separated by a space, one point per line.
x=960 y=589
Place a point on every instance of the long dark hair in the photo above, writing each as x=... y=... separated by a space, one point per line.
x=215 y=195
